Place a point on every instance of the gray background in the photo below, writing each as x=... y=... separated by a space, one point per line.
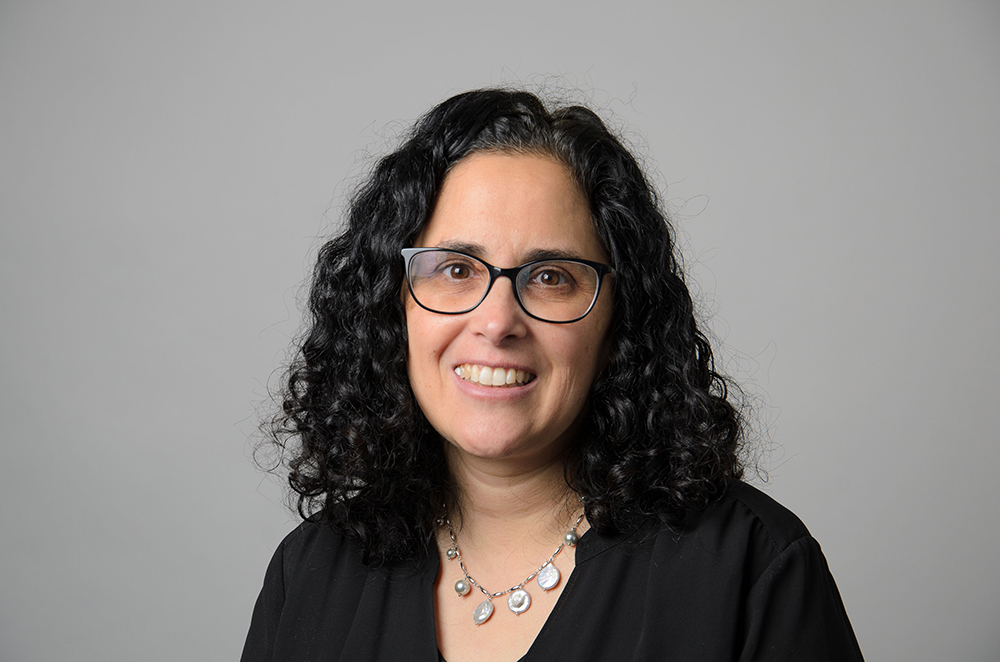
x=167 y=169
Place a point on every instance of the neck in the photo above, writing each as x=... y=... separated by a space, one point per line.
x=500 y=502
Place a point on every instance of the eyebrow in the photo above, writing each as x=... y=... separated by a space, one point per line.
x=534 y=255
x=476 y=250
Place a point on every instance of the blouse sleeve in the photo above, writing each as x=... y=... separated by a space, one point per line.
x=259 y=646
x=794 y=611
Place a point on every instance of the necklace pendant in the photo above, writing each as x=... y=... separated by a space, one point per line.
x=548 y=577
x=483 y=612
x=519 y=601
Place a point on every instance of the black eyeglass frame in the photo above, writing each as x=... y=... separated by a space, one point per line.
x=511 y=275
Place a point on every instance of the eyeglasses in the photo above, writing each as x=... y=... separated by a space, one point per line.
x=451 y=283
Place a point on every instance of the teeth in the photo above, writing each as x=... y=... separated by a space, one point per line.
x=489 y=376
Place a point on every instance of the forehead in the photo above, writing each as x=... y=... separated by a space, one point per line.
x=512 y=205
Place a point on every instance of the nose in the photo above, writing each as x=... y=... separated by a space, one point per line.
x=499 y=316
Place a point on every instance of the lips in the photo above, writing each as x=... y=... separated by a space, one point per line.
x=493 y=376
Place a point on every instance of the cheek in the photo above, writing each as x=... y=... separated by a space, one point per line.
x=589 y=354
x=415 y=353
x=427 y=337
x=578 y=357
x=417 y=333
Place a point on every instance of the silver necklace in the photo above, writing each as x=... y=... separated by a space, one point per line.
x=519 y=599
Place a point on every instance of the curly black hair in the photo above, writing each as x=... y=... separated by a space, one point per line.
x=660 y=437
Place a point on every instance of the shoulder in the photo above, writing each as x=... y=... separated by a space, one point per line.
x=732 y=581
x=753 y=510
x=317 y=547
x=743 y=528
x=311 y=534
x=313 y=562
x=320 y=601
x=742 y=533
x=312 y=557
x=792 y=603
x=741 y=513
x=319 y=552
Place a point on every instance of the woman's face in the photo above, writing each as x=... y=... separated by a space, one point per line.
x=504 y=209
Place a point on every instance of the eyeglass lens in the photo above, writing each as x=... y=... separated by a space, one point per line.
x=554 y=290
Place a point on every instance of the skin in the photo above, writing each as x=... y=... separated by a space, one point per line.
x=508 y=206
x=506 y=446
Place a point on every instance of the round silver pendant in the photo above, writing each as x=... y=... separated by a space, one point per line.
x=519 y=601
x=462 y=587
x=483 y=612
x=548 y=577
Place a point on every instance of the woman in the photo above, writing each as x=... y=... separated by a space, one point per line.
x=505 y=430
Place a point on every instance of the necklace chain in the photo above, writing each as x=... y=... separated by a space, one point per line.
x=515 y=587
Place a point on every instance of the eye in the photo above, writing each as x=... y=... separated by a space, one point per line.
x=457 y=271
x=550 y=278
x=457 y=268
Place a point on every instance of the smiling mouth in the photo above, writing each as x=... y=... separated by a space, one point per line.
x=488 y=376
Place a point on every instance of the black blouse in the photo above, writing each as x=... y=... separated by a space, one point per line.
x=742 y=580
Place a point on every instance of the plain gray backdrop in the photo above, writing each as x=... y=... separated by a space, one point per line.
x=167 y=171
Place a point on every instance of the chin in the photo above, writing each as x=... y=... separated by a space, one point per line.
x=490 y=448
x=511 y=447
